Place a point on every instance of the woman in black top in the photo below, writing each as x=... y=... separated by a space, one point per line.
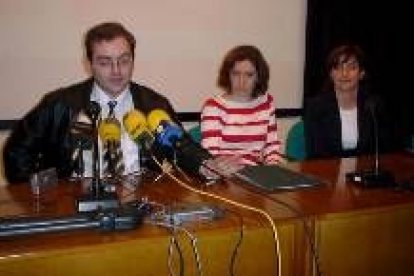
x=342 y=120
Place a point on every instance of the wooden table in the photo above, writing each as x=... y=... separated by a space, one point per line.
x=357 y=231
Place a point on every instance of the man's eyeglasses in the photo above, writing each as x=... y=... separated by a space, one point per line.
x=109 y=62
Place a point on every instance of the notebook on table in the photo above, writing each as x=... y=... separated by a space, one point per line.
x=273 y=178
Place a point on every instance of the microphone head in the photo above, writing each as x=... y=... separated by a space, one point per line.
x=109 y=130
x=167 y=133
x=81 y=126
x=93 y=110
x=135 y=124
x=156 y=117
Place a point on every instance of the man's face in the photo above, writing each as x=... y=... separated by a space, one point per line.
x=112 y=65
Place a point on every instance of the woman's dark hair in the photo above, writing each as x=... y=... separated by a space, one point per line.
x=344 y=53
x=340 y=55
x=241 y=53
x=107 y=31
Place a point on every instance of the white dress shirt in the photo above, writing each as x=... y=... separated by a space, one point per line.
x=130 y=149
x=349 y=128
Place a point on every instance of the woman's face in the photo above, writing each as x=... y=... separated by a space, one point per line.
x=346 y=75
x=243 y=77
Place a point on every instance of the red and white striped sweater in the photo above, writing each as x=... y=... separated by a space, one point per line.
x=247 y=129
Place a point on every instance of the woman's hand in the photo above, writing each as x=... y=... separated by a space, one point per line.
x=223 y=166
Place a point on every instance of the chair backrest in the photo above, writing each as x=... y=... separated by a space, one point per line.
x=195 y=133
x=295 y=142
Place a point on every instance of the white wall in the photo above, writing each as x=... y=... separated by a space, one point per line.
x=180 y=45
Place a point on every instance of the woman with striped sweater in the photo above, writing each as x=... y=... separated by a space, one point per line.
x=240 y=123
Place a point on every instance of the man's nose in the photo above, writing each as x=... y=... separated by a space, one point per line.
x=115 y=67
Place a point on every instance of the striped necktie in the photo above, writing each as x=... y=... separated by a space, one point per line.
x=111 y=105
x=113 y=157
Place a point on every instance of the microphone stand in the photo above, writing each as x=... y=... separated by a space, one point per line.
x=376 y=177
x=96 y=166
x=144 y=153
x=98 y=198
x=79 y=164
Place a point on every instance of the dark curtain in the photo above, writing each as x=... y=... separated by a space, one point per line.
x=382 y=30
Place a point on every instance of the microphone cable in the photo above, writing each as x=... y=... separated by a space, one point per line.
x=154 y=121
x=193 y=242
x=231 y=202
x=174 y=243
x=241 y=223
x=157 y=219
x=300 y=215
x=306 y=228
x=238 y=243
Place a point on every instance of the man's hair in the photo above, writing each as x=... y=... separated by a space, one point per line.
x=241 y=53
x=105 y=32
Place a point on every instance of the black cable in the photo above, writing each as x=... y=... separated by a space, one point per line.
x=193 y=242
x=172 y=229
x=275 y=241
x=180 y=252
x=238 y=243
x=306 y=228
x=300 y=215
x=206 y=166
x=181 y=258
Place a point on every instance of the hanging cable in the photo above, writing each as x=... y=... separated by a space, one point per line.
x=167 y=171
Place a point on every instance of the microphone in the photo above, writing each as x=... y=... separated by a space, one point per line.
x=167 y=133
x=81 y=130
x=81 y=126
x=77 y=161
x=171 y=137
x=109 y=130
x=93 y=110
x=136 y=126
x=376 y=177
x=98 y=198
x=110 y=133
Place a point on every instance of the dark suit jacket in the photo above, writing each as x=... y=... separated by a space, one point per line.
x=323 y=126
x=42 y=138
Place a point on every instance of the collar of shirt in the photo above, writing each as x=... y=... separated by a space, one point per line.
x=124 y=101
